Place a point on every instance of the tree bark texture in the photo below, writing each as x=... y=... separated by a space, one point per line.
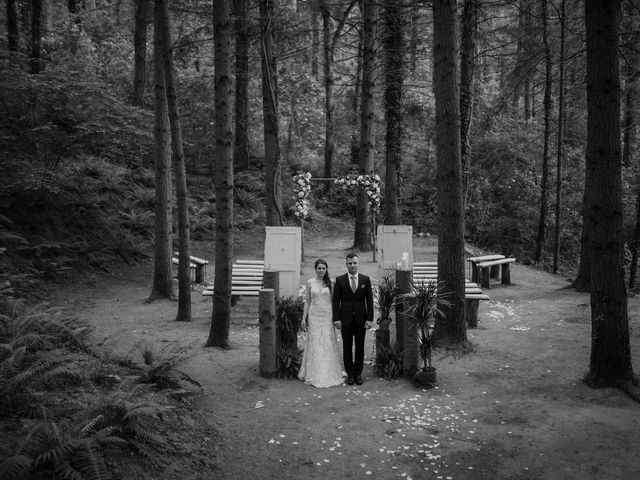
x=177 y=156
x=632 y=77
x=36 y=36
x=449 y=172
x=13 y=35
x=544 y=182
x=270 y=108
x=560 y=138
x=241 y=148
x=140 y=52
x=357 y=97
x=468 y=34
x=394 y=53
x=634 y=244
x=316 y=10
x=610 y=363
x=415 y=35
x=362 y=233
x=162 y=284
x=221 y=313
x=329 y=127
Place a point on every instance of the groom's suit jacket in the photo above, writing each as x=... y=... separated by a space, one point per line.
x=348 y=305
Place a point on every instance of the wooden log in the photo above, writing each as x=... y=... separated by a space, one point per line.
x=506 y=274
x=485 y=282
x=267 y=321
x=407 y=328
x=494 y=271
x=271 y=279
x=471 y=312
x=403 y=284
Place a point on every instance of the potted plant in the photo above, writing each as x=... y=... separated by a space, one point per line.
x=386 y=292
x=424 y=308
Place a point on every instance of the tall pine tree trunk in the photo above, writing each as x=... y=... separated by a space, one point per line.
x=544 y=183
x=162 y=284
x=632 y=76
x=610 y=364
x=241 y=147
x=36 y=36
x=140 y=52
x=394 y=53
x=221 y=313
x=329 y=127
x=560 y=149
x=315 y=7
x=184 y=244
x=468 y=34
x=357 y=97
x=582 y=282
x=415 y=35
x=449 y=171
x=362 y=233
x=13 y=36
x=635 y=243
x=270 y=108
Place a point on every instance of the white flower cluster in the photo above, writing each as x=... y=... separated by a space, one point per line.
x=370 y=183
x=301 y=190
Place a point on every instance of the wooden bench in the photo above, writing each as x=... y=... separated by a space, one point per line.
x=246 y=279
x=484 y=268
x=472 y=295
x=198 y=267
x=474 y=261
x=192 y=269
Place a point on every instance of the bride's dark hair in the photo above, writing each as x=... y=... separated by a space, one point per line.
x=326 y=280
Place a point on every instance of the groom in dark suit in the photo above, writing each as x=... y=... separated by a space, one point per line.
x=353 y=314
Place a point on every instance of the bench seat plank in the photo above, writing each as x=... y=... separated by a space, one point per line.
x=246 y=279
x=492 y=263
x=485 y=258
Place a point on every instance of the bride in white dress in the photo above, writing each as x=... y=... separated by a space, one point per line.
x=322 y=361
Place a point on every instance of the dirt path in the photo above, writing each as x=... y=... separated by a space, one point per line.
x=514 y=408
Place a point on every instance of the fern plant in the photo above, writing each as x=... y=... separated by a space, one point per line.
x=131 y=412
x=160 y=369
x=48 y=452
x=289 y=321
x=28 y=361
x=389 y=362
x=288 y=361
x=42 y=328
x=23 y=376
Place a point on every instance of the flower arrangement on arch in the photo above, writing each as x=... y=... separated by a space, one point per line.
x=301 y=191
x=370 y=183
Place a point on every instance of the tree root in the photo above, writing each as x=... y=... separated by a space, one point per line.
x=631 y=388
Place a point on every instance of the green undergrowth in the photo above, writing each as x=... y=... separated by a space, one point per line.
x=72 y=413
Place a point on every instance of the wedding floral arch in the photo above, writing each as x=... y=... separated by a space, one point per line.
x=302 y=190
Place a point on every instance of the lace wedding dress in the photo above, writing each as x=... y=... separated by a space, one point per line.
x=322 y=360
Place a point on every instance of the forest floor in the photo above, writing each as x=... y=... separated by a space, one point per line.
x=515 y=407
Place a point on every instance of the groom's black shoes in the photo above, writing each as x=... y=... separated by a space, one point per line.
x=350 y=380
x=359 y=380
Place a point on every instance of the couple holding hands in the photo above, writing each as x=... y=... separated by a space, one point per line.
x=347 y=306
